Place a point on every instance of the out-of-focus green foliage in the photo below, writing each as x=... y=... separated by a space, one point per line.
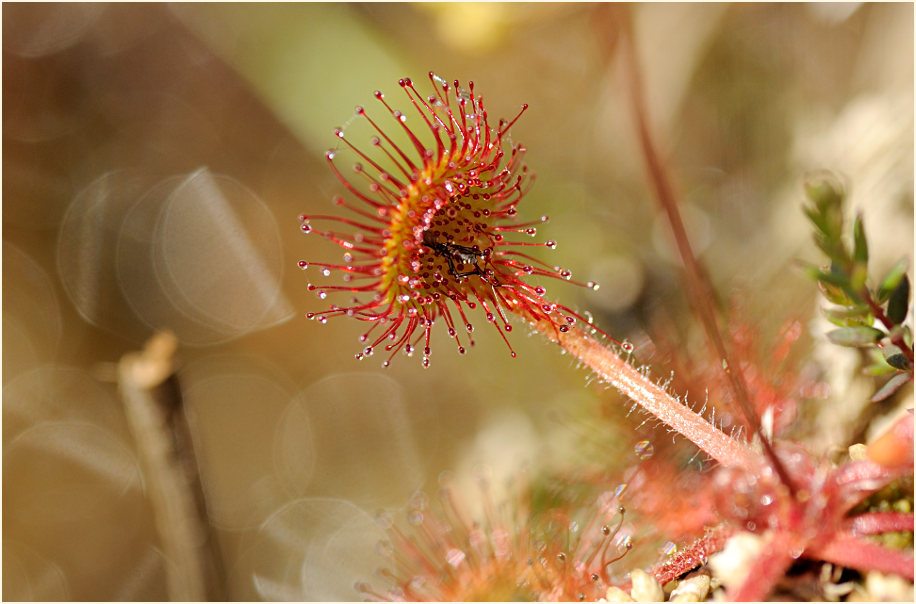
x=865 y=317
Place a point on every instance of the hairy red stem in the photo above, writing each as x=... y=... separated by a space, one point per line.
x=855 y=552
x=874 y=523
x=651 y=397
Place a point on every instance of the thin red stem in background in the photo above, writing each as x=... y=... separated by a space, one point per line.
x=699 y=286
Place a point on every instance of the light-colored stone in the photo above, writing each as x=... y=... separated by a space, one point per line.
x=645 y=587
x=692 y=589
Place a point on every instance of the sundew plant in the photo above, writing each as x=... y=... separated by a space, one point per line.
x=593 y=301
x=435 y=236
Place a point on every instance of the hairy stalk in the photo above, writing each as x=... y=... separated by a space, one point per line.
x=650 y=396
x=854 y=552
x=699 y=288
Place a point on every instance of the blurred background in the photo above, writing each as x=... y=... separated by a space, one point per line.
x=155 y=160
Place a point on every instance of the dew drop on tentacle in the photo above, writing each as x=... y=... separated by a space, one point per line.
x=627 y=346
x=303 y=265
x=644 y=449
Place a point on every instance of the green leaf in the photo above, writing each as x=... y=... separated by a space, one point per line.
x=849 y=317
x=860 y=244
x=895 y=358
x=815 y=217
x=858 y=277
x=890 y=350
x=891 y=386
x=834 y=294
x=855 y=336
x=879 y=368
x=830 y=276
x=892 y=280
x=899 y=302
x=825 y=190
x=899 y=361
